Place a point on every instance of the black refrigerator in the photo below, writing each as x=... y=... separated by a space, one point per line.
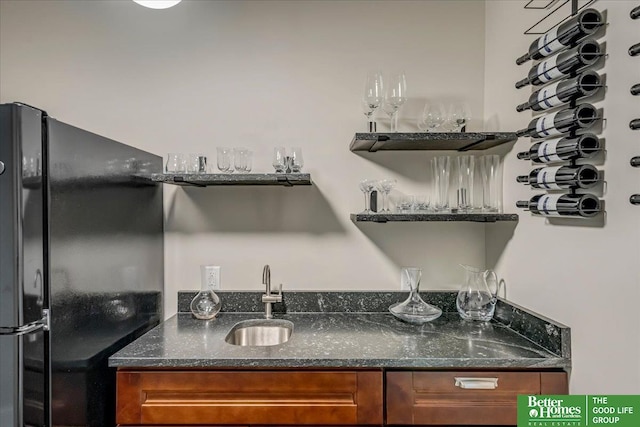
x=81 y=266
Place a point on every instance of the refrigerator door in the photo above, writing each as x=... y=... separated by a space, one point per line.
x=24 y=362
x=106 y=257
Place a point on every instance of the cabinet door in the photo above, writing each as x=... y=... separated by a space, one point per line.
x=463 y=398
x=249 y=397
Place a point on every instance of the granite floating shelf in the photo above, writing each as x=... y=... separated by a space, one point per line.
x=442 y=217
x=459 y=141
x=205 y=180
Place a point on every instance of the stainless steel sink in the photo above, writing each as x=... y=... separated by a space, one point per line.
x=260 y=332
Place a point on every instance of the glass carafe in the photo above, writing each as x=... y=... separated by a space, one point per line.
x=475 y=299
x=206 y=304
x=414 y=309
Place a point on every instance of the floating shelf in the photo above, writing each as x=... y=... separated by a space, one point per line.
x=419 y=217
x=459 y=141
x=205 y=180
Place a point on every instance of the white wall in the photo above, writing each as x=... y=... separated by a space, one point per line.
x=205 y=74
x=261 y=74
x=586 y=277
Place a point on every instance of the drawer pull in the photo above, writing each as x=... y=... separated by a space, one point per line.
x=476 y=383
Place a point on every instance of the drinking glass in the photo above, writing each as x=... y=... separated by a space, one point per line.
x=197 y=163
x=176 y=163
x=491 y=183
x=441 y=166
x=459 y=117
x=225 y=159
x=406 y=203
x=367 y=186
x=385 y=186
x=422 y=203
x=280 y=160
x=464 y=192
x=296 y=160
x=432 y=119
x=373 y=94
x=395 y=96
x=241 y=159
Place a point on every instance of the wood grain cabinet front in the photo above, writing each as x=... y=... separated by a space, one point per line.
x=464 y=398
x=241 y=398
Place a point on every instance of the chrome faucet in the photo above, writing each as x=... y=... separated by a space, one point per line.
x=268 y=298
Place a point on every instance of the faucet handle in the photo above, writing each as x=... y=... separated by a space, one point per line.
x=280 y=289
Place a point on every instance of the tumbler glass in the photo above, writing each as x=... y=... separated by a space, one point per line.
x=491 y=183
x=241 y=159
x=225 y=159
x=441 y=166
x=464 y=191
x=176 y=163
x=197 y=163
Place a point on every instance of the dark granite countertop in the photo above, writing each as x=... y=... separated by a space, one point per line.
x=516 y=339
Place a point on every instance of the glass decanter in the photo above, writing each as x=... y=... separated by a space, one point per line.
x=414 y=309
x=206 y=304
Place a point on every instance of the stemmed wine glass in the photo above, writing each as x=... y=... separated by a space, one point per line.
x=459 y=116
x=367 y=186
x=432 y=119
x=373 y=95
x=395 y=96
x=385 y=186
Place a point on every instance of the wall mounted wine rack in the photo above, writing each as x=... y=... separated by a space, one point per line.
x=634 y=199
x=562 y=80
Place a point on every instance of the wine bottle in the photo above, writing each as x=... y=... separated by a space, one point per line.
x=562 y=149
x=559 y=177
x=634 y=124
x=581 y=25
x=635 y=89
x=635 y=12
x=635 y=161
x=634 y=50
x=563 y=64
x=561 y=121
x=584 y=205
x=586 y=83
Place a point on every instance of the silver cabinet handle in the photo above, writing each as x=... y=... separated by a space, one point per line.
x=477 y=383
x=1 y=168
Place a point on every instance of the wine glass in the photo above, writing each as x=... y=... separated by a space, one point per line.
x=433 y=118
x=373 y=95
x=279 y=160
x=459 y=116
x=367 y=186
x=385 y=186
x=395 y=96
x=297 y=161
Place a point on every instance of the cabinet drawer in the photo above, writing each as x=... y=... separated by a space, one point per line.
x=249 y=397
x=467 y=398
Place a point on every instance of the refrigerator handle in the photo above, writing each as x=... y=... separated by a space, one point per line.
x=43 y=324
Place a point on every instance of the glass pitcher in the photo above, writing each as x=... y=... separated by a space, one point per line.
x=475 y=299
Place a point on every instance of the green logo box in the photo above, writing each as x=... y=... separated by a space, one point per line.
x=579 y=410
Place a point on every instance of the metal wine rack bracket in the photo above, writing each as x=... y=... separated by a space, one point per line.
x=531 y=31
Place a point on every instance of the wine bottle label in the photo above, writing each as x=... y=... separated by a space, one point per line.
x=549 y=43
x=545 y=126
x=548 y=204
x=547 y=151
x=548 y=70
x=548 y=98
x=547 y=178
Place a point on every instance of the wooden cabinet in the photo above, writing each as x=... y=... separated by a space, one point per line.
x=326 y=398
x=249 y=398
x=463 y=398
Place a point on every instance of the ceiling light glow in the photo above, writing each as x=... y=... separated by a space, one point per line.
x=157 y=4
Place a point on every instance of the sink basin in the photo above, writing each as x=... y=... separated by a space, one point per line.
x=260 y=332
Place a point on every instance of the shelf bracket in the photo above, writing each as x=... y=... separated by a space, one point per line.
x=181 y=180
x=476 y=142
